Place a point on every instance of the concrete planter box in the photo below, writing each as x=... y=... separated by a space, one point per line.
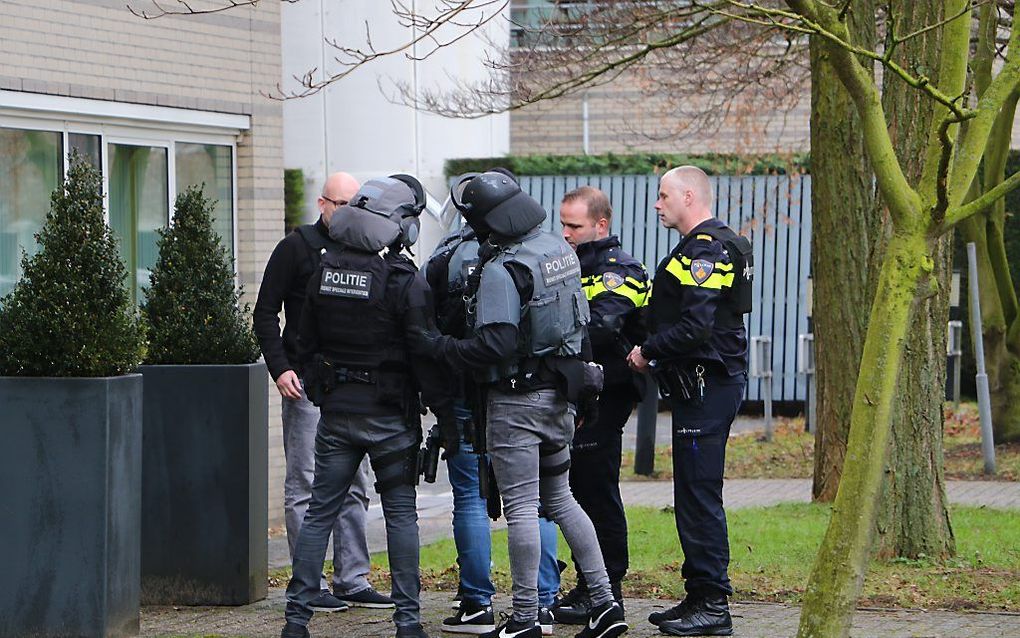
x=205 y=484
x=70 y=506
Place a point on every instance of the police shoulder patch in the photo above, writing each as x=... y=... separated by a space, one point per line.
x=612 y=280
x=703 y=237
x=701 y=270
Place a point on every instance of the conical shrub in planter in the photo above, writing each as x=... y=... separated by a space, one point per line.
x=205 y=447
x=70 y=417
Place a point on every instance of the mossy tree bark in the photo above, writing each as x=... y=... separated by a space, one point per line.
x=924 y=203
x=1000 y=315
x=843 y=201
x=913 y=520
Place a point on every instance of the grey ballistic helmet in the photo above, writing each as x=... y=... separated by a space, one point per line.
x=383 y=213
x=493 y=201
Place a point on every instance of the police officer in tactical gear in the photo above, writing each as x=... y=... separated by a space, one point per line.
x=363 y=312
x=284 y=284
x=528 y=320
x=699 y=347
x=617 y=287
x=448 y=272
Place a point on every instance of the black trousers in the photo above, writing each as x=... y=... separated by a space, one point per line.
x=595 y=476
x=700 y=432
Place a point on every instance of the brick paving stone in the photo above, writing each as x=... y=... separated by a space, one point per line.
x=751 y=620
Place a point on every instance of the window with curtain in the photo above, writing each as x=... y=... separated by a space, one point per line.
x=138 y=207
x=209 y=166
x=31 y=167
x=88 y=146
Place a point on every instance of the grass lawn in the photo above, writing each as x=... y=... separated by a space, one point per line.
x=790 y=454
x=772 y=550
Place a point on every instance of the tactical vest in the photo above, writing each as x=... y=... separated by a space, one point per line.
x=460 y=252
x=359 y=329
x=552 y=321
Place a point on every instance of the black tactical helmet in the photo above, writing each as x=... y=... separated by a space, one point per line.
x=486 y=191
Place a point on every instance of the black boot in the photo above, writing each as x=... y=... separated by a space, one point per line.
x=707 y=617
x=573 y=608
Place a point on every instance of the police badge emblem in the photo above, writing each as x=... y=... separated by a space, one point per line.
x=701 y=270
x=612 y=280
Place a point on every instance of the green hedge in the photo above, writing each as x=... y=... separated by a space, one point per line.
x=293 y=198
x=638 y=164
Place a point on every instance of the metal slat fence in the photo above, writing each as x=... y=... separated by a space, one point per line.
x=773 y=211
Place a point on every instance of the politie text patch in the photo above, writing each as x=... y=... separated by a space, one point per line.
x=352 y=284
x=559 y=268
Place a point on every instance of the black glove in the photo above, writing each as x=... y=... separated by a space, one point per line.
x=449 y=433
x=588 y=401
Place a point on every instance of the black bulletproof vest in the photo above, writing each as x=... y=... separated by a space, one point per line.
x=357 y=320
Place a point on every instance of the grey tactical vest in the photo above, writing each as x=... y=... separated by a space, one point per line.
x=552 y=321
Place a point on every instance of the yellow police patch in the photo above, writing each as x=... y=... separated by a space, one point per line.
x=612 y=280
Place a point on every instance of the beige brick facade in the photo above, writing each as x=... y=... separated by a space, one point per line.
x=623 y=118
x=219 y=62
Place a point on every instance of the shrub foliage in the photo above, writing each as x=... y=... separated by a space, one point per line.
x=70 y=314
x=636 y=164
x=192 y=305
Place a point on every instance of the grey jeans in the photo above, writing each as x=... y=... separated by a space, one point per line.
x=341 y=444
x=350 y=546
x=528 y=435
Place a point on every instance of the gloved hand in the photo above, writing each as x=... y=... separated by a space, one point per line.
x=587 y=410
x=449 y=433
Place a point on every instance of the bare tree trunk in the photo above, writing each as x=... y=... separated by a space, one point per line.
x=843 y=204
x=914 y=520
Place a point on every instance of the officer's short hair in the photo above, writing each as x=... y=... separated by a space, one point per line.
x=594 y=199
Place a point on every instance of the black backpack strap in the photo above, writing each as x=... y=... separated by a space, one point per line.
x=316 y=243
x=741 y=255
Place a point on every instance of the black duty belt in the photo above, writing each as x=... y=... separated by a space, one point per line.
x=354 y=375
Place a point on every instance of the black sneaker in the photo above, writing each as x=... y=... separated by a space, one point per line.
x=411 y=631
x=470 y=619
x=706 y=617
x=674 y=612
x=327 y=602
x=458 y=598
x=545 y=621
x=513 y=629
x=573 y=608
x=605 y=621
x=368 y=598
x=294 y=630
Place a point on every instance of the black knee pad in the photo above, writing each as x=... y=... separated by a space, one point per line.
x=396 y=468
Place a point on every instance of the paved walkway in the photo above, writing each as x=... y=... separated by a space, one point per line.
x=751 y=620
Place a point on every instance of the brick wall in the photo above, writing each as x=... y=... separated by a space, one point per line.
x=219 y=62
x=623 y=118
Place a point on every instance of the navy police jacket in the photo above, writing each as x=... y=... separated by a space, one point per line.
x=690 y=317
x=617 y=288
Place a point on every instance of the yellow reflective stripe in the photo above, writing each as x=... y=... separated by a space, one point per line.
x=715 y=281
x=632 y=289
x=686 y=261
x=723 y=267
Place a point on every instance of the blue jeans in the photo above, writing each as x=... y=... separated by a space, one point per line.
x=548 y=566
x=470 y=527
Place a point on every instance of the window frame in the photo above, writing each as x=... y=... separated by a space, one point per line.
x=126 y=123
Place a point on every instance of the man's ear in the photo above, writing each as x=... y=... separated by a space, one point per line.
x=602 y=224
